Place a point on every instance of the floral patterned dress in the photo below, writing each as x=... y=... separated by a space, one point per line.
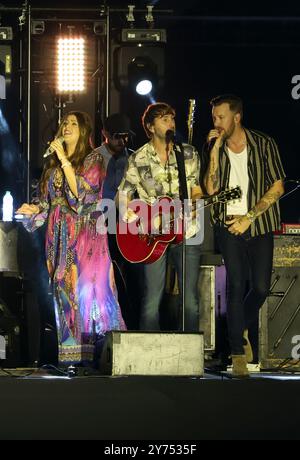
x=78 y=262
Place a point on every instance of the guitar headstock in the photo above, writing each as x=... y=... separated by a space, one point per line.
x=191 y=114
x=230 y=194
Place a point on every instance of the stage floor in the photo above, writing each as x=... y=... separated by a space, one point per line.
x=39 y=405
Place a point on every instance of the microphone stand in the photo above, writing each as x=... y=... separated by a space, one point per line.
x=179 y=153
x=292 y=181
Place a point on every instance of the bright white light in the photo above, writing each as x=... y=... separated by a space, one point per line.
x=144 y=87
x=71 y=65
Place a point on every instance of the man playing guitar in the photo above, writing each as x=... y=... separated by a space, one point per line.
x=153 y=173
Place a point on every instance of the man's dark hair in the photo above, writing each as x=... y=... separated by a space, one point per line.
x=235 y=102
x=157 y=110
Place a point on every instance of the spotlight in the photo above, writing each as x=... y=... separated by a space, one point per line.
x=138 y=63
x=71 y=65
x=144 y=87
x=37 y=27
x=142 y=74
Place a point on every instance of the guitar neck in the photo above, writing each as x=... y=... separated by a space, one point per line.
x=190 y=120
x=224 y=196
x=211 y=200
x=190 y=135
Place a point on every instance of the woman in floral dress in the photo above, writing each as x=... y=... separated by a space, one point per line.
x=78 y=260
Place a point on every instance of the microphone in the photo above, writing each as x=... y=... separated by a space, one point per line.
x=170 y=136
x=211 y=143
x=50 y=150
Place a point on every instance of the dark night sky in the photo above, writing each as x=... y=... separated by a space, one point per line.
x=255 y=58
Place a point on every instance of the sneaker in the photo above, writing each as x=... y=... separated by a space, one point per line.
x=247 y=347
x=239 y=366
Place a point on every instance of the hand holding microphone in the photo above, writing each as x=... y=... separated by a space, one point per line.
x=55 y=146
x=215 y=137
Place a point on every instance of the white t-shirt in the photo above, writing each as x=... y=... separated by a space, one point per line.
x=238 y=176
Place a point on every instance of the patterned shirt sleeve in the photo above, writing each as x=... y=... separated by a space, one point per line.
x=274 y=168
x=37 y=220
x=131 y=178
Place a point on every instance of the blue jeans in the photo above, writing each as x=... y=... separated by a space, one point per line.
x=154 y=278
x=246 y=258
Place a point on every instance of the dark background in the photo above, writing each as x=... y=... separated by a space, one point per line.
x=212 y=48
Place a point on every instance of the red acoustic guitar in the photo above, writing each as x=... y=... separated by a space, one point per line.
x=147 y=238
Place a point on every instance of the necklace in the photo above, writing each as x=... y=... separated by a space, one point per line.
x=237 y=147
x=237 y=143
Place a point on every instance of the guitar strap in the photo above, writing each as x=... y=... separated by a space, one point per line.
x=179 y=153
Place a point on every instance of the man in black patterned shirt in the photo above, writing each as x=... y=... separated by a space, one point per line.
x=250 y=159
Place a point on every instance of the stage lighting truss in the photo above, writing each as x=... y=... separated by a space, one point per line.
x=71 y=65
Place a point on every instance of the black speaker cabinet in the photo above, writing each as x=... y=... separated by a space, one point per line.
x=11 y=322
x=212 y=301
x=280 y=320
x=10 y=333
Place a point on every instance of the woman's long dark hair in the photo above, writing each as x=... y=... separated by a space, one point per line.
x=82 y=149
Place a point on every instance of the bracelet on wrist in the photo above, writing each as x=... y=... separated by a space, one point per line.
x=65 y=164
x=251 y=216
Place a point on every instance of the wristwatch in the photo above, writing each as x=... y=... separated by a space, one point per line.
x=251 y=216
